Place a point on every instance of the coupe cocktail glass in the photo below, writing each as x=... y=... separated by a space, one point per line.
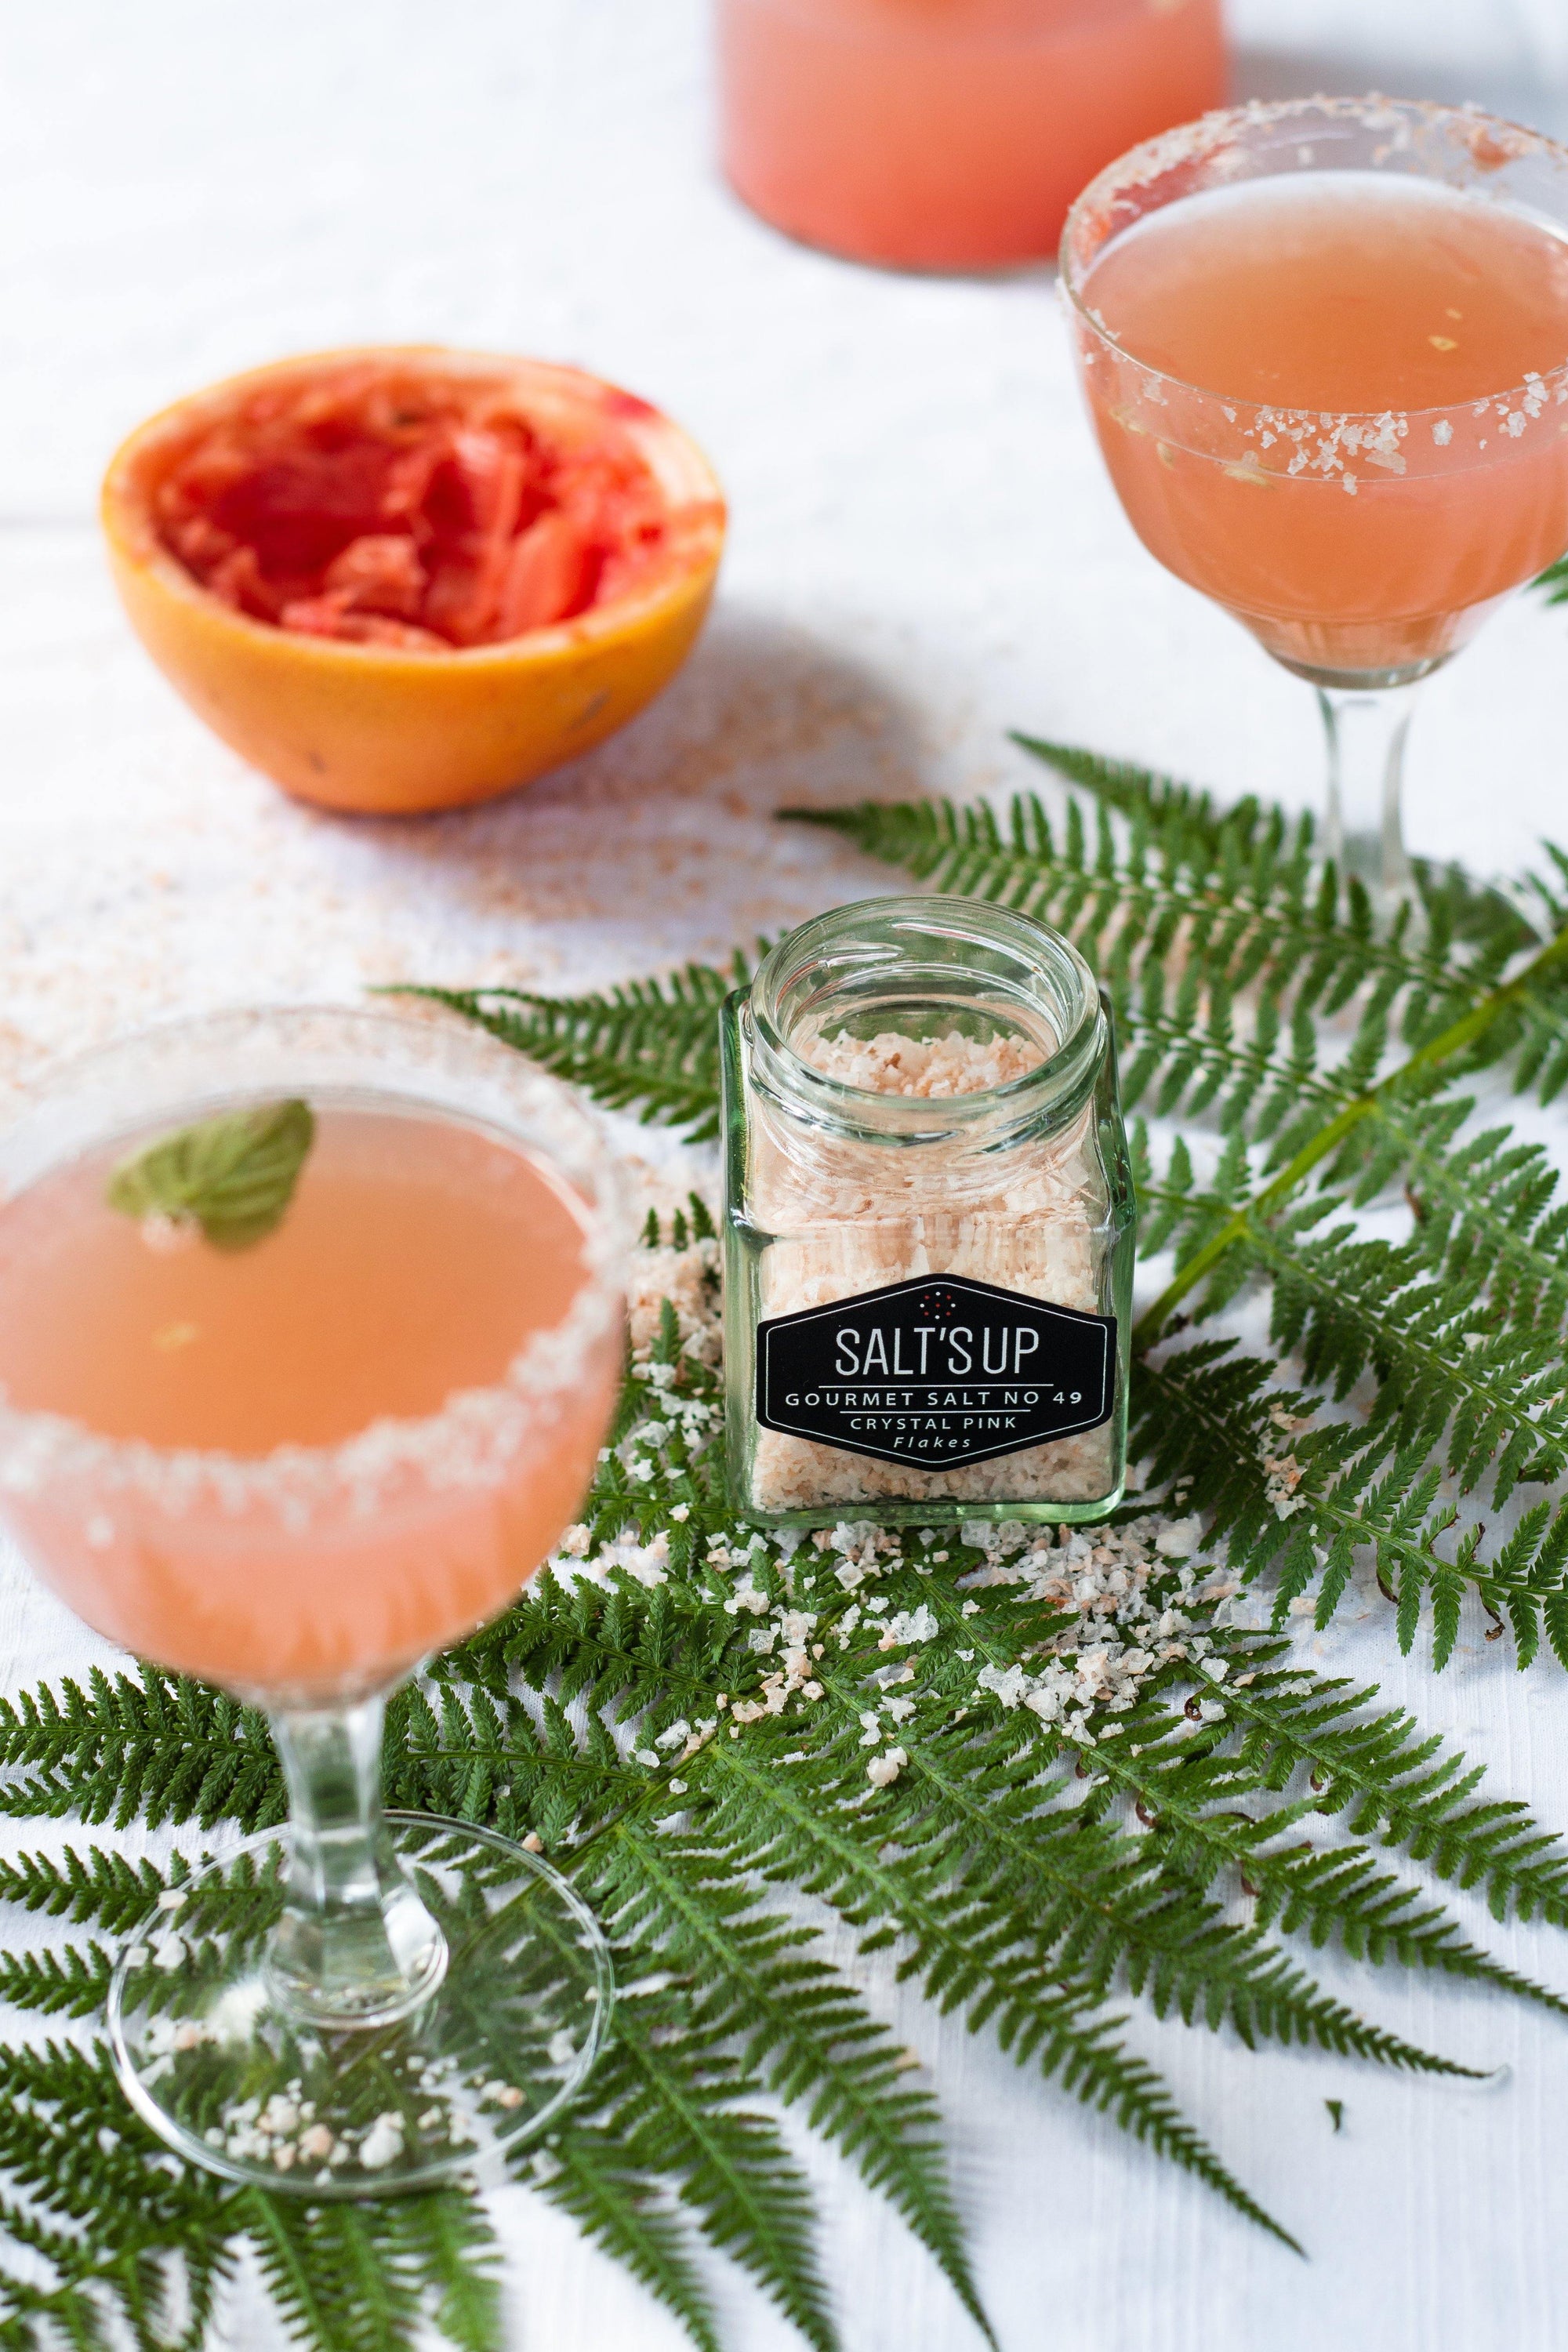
x=294 y=1449
x=1325 y=346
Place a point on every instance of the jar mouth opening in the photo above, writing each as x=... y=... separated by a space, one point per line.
x=960 y=980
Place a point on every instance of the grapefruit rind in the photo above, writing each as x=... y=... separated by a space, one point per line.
x=383 y=729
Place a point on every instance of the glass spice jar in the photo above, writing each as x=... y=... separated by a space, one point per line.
x=928 y=1224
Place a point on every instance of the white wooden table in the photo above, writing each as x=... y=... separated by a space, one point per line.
x=924 y=552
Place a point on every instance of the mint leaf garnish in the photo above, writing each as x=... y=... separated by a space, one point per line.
x=234 y=1175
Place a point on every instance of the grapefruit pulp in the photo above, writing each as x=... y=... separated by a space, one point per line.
x=403 y=580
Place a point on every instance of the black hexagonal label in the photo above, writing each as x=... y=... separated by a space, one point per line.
x=941 y=1371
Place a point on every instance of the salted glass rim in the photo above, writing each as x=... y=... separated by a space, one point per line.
x=1151 y=156
x=476 y=1434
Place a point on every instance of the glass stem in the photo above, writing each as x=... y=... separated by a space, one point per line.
x=1366 y=730
x=355 y=1945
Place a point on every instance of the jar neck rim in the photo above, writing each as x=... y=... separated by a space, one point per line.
x=872 y=934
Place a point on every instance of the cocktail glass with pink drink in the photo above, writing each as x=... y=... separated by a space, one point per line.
x=1325 y=347
x=310 y=1333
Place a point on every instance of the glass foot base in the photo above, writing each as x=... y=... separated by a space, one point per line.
x=210 y=2054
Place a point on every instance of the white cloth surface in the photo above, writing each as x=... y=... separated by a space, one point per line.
x=924 y=552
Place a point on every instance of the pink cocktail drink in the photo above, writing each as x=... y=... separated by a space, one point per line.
x=310 y=1333
x=949 y=133
x=1395 y=342
x=1325 y=347
x=299 y=1465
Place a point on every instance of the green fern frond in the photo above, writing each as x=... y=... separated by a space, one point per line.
x=1460 y=909
x=346 y=2276
x=72 y=1983
x=1071 y=1896
x=1554 y=581
x=1485 y=1214
x=1238 y=912
x=651 y=1045
x=333 y=2271
x=1295 y=1497
x=1189 y=1793
x=801 y=2027
x=1048 y=2026
x=96 y=1887
x=630 y=2214
x=162 y=1745
x=1196 y=1799
x=966 y=1960
x=1394 y=1782
x=674 y=2102
x=1490 y=1398
x=1165 y=801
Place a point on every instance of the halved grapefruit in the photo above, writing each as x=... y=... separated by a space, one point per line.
x=408 y=578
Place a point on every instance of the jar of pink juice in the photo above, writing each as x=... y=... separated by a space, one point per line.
x=949 y=134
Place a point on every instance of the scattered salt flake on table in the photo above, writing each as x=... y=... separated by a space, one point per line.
x=1009 y=1683
x=383 y=2144
x=909 y=1625
x=1179 y=1538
